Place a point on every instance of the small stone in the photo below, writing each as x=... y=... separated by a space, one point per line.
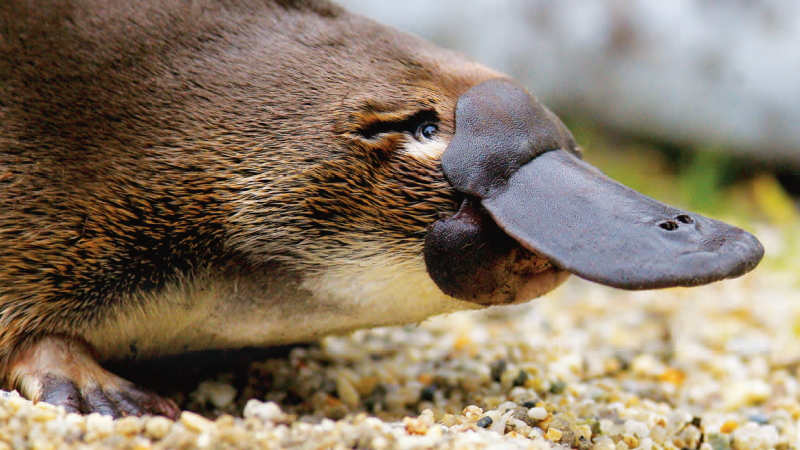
x=558 y=386
x=521 y=413
x=728 y=427
x=43 y=412
x=157 y=427
x=129 y=426
x=434 y=432
x=346 y=391
x=647 y=365
x=746 y=393
x=604 y=443
x=225 y=421
x=690 y=436
x=521 y=378
x=18 y=403
x=427 y=393
x=499 y=421
x=484 y=422
x=505 y=406
x=204 y=440
x=583 y=431
x=98 y=426
x=594 y=425
x=42 y=443
x=636 y=428
x=537 y=413
x=218 y=394
x=472 y=413
x=196 y=422
x=584 y=444
x=568 y=437
x=631 y=440
x=140 y=443
x=753 y=437
x=673 y=376
x=518 y=426
x=497 y=370
x=419 y=425
x=268 y=412
x=554 y=434
x=718 y=441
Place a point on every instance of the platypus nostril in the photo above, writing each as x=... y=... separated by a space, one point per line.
x=668 y=225
x=683 y=218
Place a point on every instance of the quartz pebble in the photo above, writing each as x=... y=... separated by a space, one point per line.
x=157 y=427
x=218 y=394
x=585 y=367
x=269 y=411
x=537 y=413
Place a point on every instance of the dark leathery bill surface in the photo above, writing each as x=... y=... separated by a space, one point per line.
x=569 y=212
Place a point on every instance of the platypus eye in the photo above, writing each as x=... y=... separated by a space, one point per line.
x=423 y=125
x=426 y=131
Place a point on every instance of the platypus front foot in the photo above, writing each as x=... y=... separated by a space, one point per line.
x=61 y=371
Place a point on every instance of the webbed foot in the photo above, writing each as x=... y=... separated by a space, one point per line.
x=62 y=372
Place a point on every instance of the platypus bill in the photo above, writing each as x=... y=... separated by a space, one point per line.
x=185 y=176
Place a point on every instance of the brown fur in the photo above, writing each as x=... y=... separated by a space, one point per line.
x=142 y=140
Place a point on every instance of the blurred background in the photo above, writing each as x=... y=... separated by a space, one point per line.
x=696 y=102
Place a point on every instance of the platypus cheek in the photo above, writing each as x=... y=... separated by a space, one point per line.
x=519 y=167
x=431 y=149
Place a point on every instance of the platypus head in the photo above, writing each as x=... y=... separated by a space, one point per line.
x=430 y=170
x=520 y=172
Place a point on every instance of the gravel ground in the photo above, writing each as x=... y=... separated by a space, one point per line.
x=587 y=367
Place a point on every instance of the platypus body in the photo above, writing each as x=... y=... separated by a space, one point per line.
x=182 y=176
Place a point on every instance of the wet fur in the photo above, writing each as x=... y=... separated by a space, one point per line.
x=146 y=143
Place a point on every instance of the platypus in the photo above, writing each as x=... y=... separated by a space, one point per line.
x=187 y=176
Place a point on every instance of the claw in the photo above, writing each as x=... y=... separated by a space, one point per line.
x=62 y=372
x=61 y=392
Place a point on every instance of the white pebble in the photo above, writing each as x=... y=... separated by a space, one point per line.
x=472 y=413
x=218 y=394
x=537 y=413
x=536 y=433
x=98 y=426
x=604 y=443
x=754 y=437
x=636 y=428
x=196 y=422
x=505 y=406
x=746 y=392
x=157 y=427
x=268 y=412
